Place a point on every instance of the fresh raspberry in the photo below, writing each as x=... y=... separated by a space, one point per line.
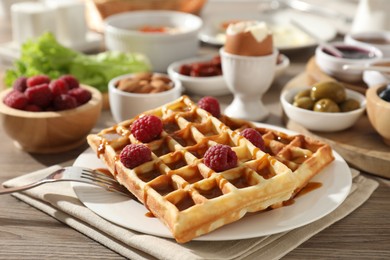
x=211 y=105
x=254 y=137
x=39 y=95
x=135 y=154
x=63 y=102
x=20 y=84
x=71 y=80
x=147 y=128
x=33 y=108
x=220 y=158
x=81 y=95
x=16 y=99
x=37 y=80
x=58 y=87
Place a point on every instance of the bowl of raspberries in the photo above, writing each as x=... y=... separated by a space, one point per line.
x=44 y=115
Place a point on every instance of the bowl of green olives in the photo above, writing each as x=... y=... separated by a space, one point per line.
x=351 y=55
x=325 y=106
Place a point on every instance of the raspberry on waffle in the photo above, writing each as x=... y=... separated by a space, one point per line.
x=192 y=199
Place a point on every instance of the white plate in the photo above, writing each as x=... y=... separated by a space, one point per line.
x=205 y=86
x=216 y=85
x=335 y=178
x=282 y=65
x=286 y=36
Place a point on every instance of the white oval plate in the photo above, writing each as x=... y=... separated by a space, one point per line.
x=336 y=183
x=286 y=36
x=213 y=86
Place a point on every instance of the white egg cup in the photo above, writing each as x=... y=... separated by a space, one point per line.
x=248 y=78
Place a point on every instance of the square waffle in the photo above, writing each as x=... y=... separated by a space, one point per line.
x=190 y=198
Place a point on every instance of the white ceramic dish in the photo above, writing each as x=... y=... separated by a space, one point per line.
x=333 y=66
x=122 y=32
x=212 y=86
x=287 y=37
x=322 y=121
x=205 y=86
x=282 y=65
x=125 y=105
x=336 y=183
x=378 y=39
x=373 y=78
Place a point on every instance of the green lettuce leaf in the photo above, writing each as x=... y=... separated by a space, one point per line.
x=46 y=56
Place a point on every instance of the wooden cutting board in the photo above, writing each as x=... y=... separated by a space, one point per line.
x=359 y=145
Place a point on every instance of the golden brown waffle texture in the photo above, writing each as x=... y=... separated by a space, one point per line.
x=192 y=199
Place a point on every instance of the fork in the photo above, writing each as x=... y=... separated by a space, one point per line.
x=77 y=174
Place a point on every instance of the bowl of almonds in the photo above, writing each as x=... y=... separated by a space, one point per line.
x=132 y=94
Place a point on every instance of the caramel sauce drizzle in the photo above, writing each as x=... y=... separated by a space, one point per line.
x=308 y=188
x=105 y=171
x=185 y=203
x=149 y=215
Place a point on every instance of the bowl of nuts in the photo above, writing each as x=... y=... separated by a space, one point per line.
x=44 y=115
x=324 y=107
x=135 y=93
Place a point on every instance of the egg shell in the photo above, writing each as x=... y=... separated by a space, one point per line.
x=245 y=44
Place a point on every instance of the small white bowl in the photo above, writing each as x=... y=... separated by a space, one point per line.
x=322 y=121
x=281 y=65
x=162 y=48
x=378 y=39
x=205 y=86
x=125 y=105
x=216 y=85
x=333 y=66
x=374 y=78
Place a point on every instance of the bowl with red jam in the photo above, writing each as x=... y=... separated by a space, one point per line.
x=201 y=75
x=378 y=39
x=351 y=55
x=162 y=36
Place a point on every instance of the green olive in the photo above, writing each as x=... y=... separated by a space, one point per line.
x=349 y=105
x=304 y=102
x=329 y=89
x=302 y=93
x=326 y=105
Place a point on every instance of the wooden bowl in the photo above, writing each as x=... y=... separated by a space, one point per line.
x=378 y=111
x=51 y=132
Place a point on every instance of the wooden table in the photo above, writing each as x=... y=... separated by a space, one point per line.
x=26 y=233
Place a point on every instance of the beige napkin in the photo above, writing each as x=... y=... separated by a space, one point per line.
x=59 y=201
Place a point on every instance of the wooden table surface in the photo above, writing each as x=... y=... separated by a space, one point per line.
x=26 y=233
